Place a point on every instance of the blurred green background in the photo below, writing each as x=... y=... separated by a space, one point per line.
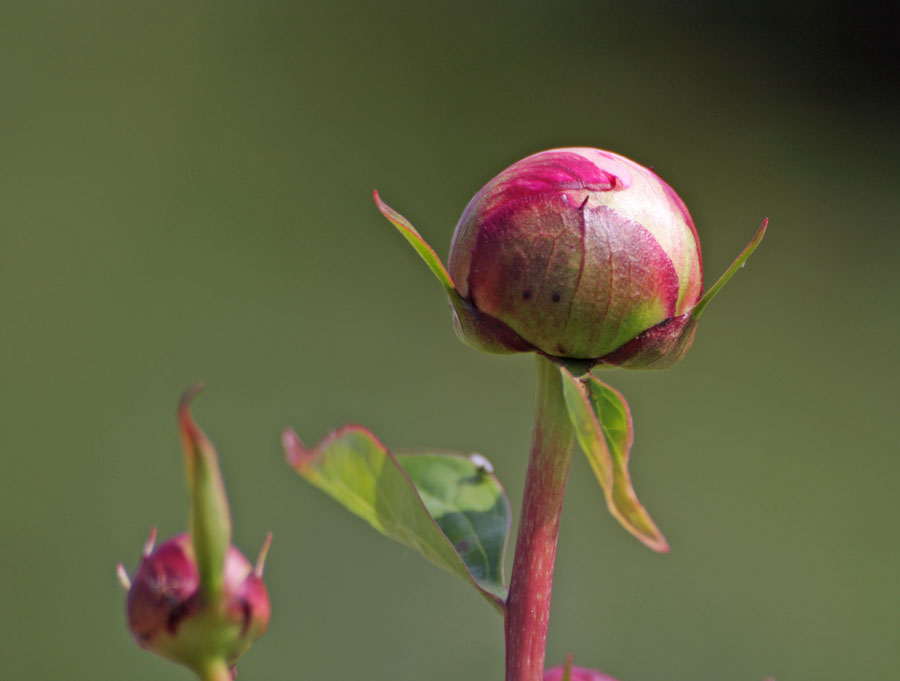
x=186 y=195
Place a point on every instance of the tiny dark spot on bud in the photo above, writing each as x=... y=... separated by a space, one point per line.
x=555 y=297
x=561 y=350
x=462 y=547
x=526 y=294
x=246 y=613
x=176 y=615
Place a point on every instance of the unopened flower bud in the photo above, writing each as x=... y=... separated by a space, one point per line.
x=579 y=254
x=195 y=599
x=578 y=251
x=575 y=674
x=568 y=672
x=168 y=614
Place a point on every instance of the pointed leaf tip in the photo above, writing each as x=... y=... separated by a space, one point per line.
x=188 y=396
x=193 y=438
x=738 y=263
x=297 y=454
x=567 y=668
x=124 y=579
x=426 y=252
x=150 y=543
x=263 y=554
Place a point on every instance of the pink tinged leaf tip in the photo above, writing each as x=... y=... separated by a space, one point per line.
x=263 y=554
x=124 y=579
x=297 y=454
x=150 y=543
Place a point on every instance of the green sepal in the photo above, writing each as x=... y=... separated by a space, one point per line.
x=605 y=432
x=449 y=507
x=738 y=263
x=567 y=668
x=473 y=327
x=426 y=252
x=210 y=519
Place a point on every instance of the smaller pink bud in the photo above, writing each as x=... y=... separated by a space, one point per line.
x=195 y=599
x=168 y=615
x=569 y=673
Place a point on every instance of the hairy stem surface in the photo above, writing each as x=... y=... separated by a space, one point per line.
x=528 y=605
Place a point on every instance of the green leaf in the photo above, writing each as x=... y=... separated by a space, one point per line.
x=415 y=239
x=738 y=263
x=448 y=507
x=210 y=519
x=604 y=429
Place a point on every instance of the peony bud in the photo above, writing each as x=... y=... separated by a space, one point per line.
x=168 y=615
x=579 y=254
x=575 y=674
x=568 y=672
x=196 y=599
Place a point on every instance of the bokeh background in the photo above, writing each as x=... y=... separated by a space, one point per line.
x=186 y=195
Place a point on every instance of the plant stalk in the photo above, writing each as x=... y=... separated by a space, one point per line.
x=528 y=604
x=215 y=670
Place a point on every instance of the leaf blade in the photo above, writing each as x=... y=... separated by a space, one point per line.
x=445 y=506
x=605 y=432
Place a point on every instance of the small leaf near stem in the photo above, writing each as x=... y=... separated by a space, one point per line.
x=605 y=432
x=448 y=507
x=528 y=605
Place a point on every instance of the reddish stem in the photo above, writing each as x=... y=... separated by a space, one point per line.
x=528 y=605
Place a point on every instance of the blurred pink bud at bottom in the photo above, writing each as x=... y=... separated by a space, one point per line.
x=578 y=674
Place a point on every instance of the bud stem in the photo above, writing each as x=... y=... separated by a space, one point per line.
x=528 y=605
x=216 y=670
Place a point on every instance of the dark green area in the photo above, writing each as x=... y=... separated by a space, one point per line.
x=186 y=194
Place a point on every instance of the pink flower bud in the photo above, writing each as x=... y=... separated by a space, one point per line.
x=579 y=254
x=570 y=673
x=578 y=251
x=168 y=614
x=195 y=599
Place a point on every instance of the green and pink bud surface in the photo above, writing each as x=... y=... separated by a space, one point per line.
x=168 y=614
x=568 y=672
x=195 y=599
x=578 y=254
